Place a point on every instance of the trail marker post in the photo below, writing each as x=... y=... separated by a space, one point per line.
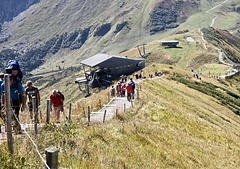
x=8 y=112
x=124 y=107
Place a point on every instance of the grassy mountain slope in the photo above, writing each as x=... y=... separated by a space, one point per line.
x=170 y=126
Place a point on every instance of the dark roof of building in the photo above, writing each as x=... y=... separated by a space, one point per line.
x=109 y=61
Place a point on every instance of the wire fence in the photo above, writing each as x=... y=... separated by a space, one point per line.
x=31 y=140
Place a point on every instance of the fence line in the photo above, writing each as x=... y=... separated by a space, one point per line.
x=31 y=140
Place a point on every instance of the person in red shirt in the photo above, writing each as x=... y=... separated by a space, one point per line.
x=129 y=92
x=123 y=90
x=56 y=101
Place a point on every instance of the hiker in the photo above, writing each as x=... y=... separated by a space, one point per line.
x=122 y=78
x=112 y=91
x=118 y=89
x=136 y=76
x=133 y=87
x=56 y=101
x=123 y=89
x=17 y=98
x=2 y=116
x=129 y=91
x=31 y=91
x=1 y=82
x=125 y=78
x=13 y=68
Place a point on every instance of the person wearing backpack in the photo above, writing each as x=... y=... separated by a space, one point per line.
x=56 y=101
x=133 y=87
x=2 y=116
x=15 y=89
x=31 y=91
x=13 y=68
x=1 y=82
x=112 y=91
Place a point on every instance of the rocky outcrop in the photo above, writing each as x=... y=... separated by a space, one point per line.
x=169 y=13
x=120 y=26
x=238 y=9
x=103 y=29
x=11 y=8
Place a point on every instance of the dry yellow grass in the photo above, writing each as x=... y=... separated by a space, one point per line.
x=170 y=126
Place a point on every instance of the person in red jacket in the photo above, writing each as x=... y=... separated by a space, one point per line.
x=129 y=92
x=56 y=101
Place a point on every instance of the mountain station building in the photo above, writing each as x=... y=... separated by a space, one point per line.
x=105 y=67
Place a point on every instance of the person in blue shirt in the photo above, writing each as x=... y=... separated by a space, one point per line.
x=16 y=96
x=133 y=87
x=1 y=82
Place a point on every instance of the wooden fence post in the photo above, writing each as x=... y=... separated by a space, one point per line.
x=8 y=112
x=104 y=116
x=137 y=93
x=48 y=112
x=84 y=114
x=41 y=115
x=131 y=99
x=89 y=114
x=70 y=111
x=100 y=103
x=116 y=113
x=52 y=158
x=35 y=114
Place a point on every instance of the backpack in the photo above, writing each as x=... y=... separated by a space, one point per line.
x=16 y=87
x=13 y=64
x=59 y=93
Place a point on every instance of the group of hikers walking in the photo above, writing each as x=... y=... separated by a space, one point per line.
x=122 y=87
x=19 y=96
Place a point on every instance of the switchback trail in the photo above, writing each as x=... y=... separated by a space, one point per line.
x=216 y=16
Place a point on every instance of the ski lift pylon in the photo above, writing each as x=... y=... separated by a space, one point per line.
x=142 y=54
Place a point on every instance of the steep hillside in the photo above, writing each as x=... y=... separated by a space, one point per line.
x=54 y=32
